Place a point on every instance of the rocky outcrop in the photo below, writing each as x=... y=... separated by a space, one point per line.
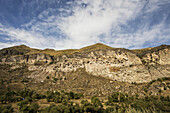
x=161 y=57
x=29 y=59
x=117 y=64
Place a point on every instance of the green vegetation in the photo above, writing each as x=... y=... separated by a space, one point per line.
x=55 y=79
x=64 y=102
x=47 y=77
x=62 y=97
x=6 y=109
x=26 y=107
x=160 y=80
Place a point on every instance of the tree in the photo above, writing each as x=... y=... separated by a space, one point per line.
x=96 y=102
x=6 y=109
x=47 y=77
x=71 y=95
x=89 y=109
x=109 y=110
x=3 y=99
x=122 y=97
x=33 y=108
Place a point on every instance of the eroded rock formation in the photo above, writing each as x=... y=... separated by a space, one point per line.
x=99 y=60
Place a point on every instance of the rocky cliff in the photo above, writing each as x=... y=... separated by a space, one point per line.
x=118 y=64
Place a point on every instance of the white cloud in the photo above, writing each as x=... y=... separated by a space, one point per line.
x=21 y=36
x=5 y=45
x=91 y=21
x=99 y=17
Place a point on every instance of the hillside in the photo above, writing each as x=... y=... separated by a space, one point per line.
x=142 y=65
x=96 y=70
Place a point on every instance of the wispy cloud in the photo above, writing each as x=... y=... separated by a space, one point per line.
x=84 y=22
x=21 y=36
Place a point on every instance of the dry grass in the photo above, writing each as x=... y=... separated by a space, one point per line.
x=52 y=52
x=99 y=46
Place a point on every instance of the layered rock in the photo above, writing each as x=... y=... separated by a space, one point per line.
x=29 y=59
x=117 y=64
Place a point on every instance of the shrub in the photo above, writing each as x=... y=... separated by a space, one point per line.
x=96 y=102
x=109 y=110
x=6 y=109
x=160 y=91
x=33 y=108
x=47 y=77
x=146 y=90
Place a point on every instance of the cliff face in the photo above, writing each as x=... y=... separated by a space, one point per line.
x=29 y=59
x=99 y=60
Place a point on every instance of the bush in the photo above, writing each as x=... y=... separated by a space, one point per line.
x=146 y=90
x=6 y=109
x=55 y=79
x=24 y=107
x=109 y=110
x=114 y=97
x=96 y=102
x=160 y=91
x=122 y=97
x=47 y=77
x=33 y=108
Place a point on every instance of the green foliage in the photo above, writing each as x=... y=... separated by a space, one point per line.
x=152 y=82
x=95 y=106
x=96 y=102
x=34 y=108
x=160 y=79
x=109 y=110
x=139 y=104
x=29 y=99
x=116 y=97
x=47 y=77
x=122 y=97
x=59 y=97
x=71 y=95
x=25 y=107
x=1 y=81
x=55 y=79
x=146 y=89
x=122 y=102
x=38 y=96
x=117 y=102
x=160 y=91
x=6 y=109
x=8 y=96
x=63 y=109
x=26 y=92
x=3 y=99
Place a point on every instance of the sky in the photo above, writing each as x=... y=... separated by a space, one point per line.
x=73 y=24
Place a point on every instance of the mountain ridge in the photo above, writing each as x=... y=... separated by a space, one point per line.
x=23 y=49
x=142 y=65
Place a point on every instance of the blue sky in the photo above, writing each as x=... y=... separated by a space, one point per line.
x=70 y=24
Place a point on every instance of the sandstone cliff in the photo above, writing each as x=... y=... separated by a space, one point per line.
x=118 y=64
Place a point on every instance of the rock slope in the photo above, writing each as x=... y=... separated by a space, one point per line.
x=143 y=65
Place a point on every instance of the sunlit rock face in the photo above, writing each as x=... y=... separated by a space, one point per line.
x=117 y=64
